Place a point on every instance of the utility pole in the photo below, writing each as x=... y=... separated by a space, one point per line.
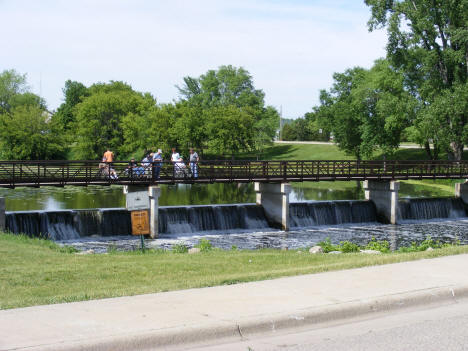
x=281 y=123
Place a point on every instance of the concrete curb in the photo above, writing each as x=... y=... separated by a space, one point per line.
x=265 y=324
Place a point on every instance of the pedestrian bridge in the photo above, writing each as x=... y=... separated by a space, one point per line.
x=83 y=173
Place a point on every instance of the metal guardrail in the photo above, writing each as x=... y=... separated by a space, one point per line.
x=60 y=173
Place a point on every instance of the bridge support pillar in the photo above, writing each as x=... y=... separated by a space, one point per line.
x=154 y=193
x=461 y=191
x=274 y=198
x=384 y=194
x=2 y=213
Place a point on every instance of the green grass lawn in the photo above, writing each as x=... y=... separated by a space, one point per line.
x=327 y=152
x=298 y=152
x=331 y=152
x=36 y=272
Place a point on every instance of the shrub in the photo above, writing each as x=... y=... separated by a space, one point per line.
x=180 y=248
x=204 y=245
x=382 y=245
x=327 y=246
x=347 y=246
x=425 y=244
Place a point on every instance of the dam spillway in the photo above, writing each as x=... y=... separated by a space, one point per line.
x=173 y=220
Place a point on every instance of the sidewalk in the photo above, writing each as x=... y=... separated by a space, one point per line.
x=156 y=321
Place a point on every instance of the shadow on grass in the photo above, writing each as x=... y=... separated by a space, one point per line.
x=415 y=154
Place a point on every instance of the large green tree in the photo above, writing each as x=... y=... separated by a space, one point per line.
x=428 y=42
x=74 y=93
x=230 y=87
x=100 y=118
x=230 y=129
x=27 y=131
x=11 y=84
x=367 y=110
x=385 y=107
x=339 y=113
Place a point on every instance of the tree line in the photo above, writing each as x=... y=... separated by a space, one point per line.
x=417 y=93
x=220 y=111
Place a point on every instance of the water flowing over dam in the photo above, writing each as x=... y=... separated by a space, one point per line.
x=429 y=208
x=173 y=220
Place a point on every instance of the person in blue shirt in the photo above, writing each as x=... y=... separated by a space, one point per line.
x=157 y=163
x=194 y=163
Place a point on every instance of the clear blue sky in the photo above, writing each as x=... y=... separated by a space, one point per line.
x=291 y=48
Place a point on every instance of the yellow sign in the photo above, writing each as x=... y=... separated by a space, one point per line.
x=140 y=223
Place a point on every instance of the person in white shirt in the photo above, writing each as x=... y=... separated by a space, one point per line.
x=180 y=168
x=175 y=158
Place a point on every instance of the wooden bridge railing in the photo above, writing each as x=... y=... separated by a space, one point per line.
x=60 y=173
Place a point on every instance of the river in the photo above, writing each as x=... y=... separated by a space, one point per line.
x=71 y=197
x=52 y=199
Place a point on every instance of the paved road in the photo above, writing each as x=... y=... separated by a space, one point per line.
x=440 y=328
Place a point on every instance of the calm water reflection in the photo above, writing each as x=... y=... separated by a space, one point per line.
x=69 y=197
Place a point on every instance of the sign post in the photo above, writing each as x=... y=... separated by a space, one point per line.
x=138 y=204
x=140 y=225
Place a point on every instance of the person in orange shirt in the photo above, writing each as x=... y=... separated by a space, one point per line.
x=109 y=156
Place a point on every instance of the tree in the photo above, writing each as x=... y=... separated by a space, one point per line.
x=189 y=126
x=315 y=130
x=231 y=87
x=339 y=114
x=226 y=86
x=298 y=129
x=74 y=93
x=288 y=133
x=385 y=107
x=26 y=129
x=26 y=133
x=11 y=84
x=100 y=118
x=367 y=110
x=428 y=42
x=230 y=129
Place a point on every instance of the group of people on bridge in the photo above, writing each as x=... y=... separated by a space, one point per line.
x=151 y=165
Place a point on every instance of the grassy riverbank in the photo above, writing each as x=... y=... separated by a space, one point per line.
x=327 y=152
x=331 y=152
x=36 y=272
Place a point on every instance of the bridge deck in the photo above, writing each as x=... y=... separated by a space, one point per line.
x=82 y=173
